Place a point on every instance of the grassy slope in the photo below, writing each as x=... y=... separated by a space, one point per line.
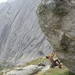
x=52 y=71
x=56 y=71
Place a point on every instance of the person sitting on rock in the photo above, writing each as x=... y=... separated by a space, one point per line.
x=53 y=61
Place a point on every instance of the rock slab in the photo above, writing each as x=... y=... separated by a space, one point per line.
x=57 y=21
x=29 y=70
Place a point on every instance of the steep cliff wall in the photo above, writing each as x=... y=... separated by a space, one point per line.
x=57 y=21
x=21 y=38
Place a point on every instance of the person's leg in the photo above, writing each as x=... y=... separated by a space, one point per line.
x=59 y=65
x=57 y=61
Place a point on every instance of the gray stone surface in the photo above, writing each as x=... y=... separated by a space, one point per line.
x=57 y=21
x=29 y=70
x=44 y=63
x=21 y=38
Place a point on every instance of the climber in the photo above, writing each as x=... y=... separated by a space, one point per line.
x=53 y=61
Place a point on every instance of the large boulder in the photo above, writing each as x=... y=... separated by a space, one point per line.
x=57 y=21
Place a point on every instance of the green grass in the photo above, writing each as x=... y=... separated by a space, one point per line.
x=56 y=71
x=35 y=61
x=51 y=71
x=1 y=73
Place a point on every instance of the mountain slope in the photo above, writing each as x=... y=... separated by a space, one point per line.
x=21 y=38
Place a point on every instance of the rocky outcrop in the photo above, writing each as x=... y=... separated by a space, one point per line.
x=21 y=38
x=30 y=69
x=57 y=21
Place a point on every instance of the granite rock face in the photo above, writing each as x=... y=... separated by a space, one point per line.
x=21 y=38
x=57 y=21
